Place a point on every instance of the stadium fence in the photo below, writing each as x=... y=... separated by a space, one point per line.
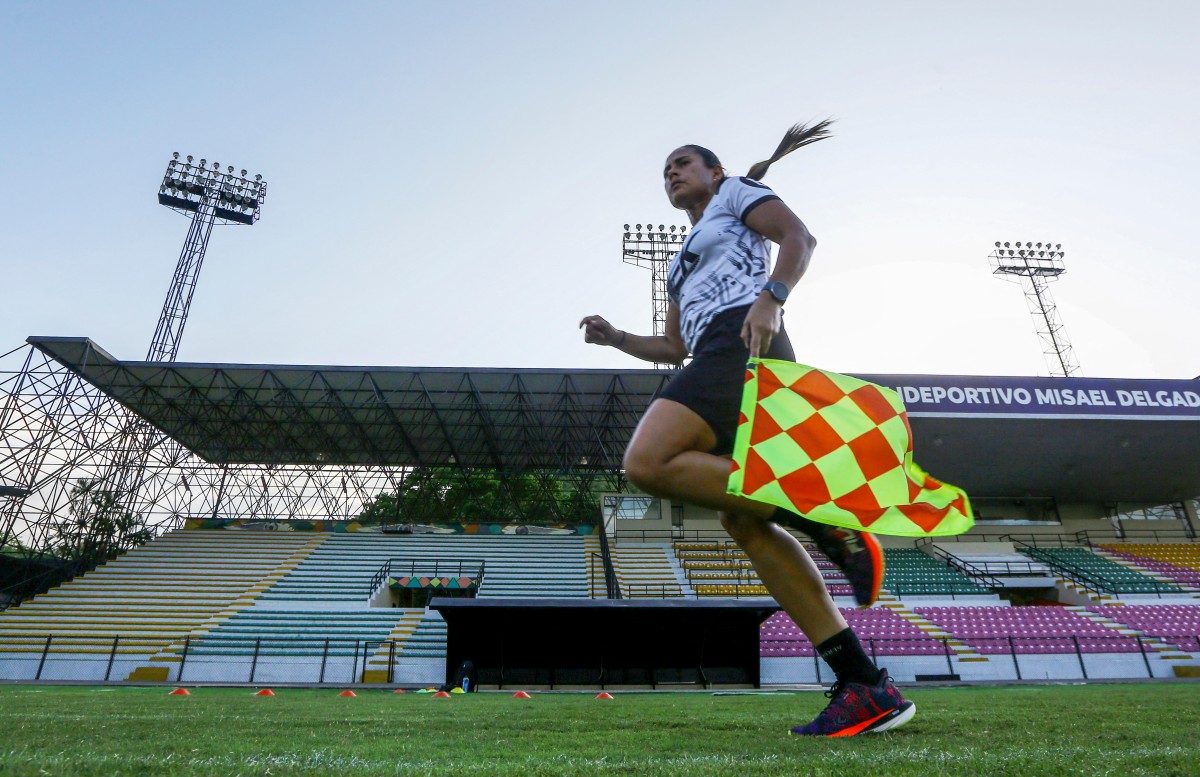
x=200 y=659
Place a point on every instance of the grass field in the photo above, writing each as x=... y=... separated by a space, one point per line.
x=1027 y=731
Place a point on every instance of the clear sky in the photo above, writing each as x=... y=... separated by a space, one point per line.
x=448 y=180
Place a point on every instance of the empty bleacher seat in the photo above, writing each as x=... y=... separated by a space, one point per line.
x=912 y=572
x=342 y=569
x=1177 y=562
x=1027 y=629
x=1102 y=573
x=881 y=631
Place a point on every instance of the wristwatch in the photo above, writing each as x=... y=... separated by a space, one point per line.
x=778 y=290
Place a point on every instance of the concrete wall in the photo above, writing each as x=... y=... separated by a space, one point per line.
x=658 y=519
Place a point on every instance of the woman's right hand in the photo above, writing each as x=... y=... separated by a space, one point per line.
x=597 y=330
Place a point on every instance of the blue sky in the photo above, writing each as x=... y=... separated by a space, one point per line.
x=448 y=181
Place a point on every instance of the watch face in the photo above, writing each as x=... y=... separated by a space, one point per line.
x=777 y=290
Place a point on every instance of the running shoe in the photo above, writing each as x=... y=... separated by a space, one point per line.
x=855 y=709
x=859 y=557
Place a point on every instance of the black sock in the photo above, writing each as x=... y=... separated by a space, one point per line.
x=846 y=657
x=814 y=530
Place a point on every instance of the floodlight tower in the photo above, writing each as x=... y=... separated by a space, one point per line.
x=76 y=436
x=654 y=250
x=208 y=196
x=1034 y=265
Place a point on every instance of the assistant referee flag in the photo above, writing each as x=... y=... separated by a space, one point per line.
x=837 y=450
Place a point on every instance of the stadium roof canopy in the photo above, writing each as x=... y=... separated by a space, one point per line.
x=376 y=416
x=1074 y=439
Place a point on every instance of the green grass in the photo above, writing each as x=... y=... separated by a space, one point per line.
x=1025 y=731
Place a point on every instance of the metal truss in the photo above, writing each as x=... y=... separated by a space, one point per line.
x=505 y=420
x=77 y=466
x=1034 y=267
x=1060 y=356
x=653 y=250
x=324 y=458
x=164 y=346
x=209 y=196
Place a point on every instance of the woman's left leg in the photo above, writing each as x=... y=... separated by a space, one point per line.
x=665 y=458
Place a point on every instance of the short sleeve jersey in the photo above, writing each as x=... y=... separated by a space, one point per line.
x=723 y=263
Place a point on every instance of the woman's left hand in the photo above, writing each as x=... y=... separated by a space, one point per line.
x=761 y=325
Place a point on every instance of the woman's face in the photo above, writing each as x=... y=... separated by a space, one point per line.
x=686 y=179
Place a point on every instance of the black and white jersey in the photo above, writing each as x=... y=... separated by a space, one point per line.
x=723 y=263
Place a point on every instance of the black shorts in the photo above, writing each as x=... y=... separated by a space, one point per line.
x=711 y=384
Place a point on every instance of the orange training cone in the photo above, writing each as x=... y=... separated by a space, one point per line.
x=398 y=690
x=347 y=693
x=604 y=695
x=180 y=692
x=265 y=692
x=521 y=695
x=441 y=695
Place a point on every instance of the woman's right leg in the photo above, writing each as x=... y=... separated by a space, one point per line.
x=864 y=697
x=789 y=574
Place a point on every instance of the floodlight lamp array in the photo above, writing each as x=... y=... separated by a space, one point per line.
x=1042 y=260
x=672 y=234
x=1031 y=250
x=189 y=183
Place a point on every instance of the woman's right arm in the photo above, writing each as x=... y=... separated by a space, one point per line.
x=664 y=349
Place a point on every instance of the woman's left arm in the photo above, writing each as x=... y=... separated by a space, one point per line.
x=776 y=222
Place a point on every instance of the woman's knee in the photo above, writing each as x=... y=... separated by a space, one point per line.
x=644 y=469
x=743 y=528
x=665 y=431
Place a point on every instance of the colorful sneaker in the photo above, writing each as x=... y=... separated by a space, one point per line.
x=855 y=709
x=859 y=557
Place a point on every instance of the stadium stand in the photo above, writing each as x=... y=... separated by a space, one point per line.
x=415 y=652
x=328 y=595
x=295 y=645
x=648 y=569
x=882 y=631
x=1027 y=630
x=1177 y=625
x=1105 y=575
x=995 y=564
x=183 y=582
x=721 y=569
x=343 y=567
x=228 y=605
x=284 y=632
x=594 y=553
x=909 y=572
x=1178 y=563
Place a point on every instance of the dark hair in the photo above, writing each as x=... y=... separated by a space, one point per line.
x=799 y=135
x=709 y=158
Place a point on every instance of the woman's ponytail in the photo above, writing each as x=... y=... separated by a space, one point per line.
x=799 y=135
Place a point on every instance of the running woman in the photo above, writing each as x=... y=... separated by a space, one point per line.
x=726 y=306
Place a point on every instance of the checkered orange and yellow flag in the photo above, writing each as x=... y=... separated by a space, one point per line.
x=837 y=450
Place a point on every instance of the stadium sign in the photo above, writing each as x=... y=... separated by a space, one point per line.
x=1008 y=397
